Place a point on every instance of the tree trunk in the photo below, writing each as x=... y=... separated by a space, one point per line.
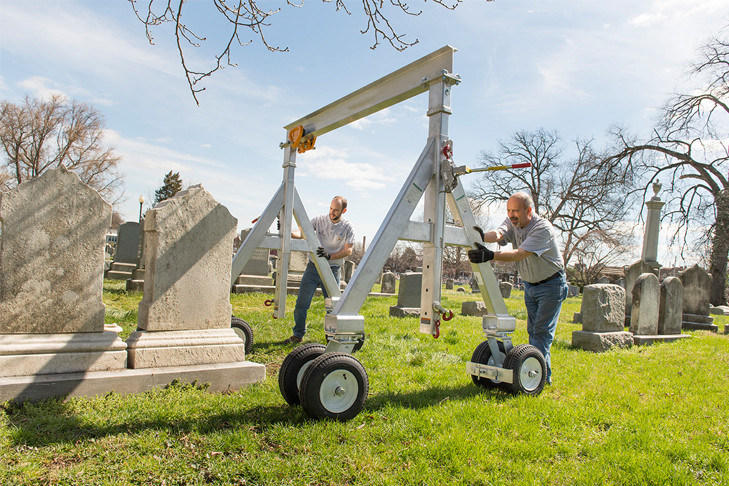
x=720 y=250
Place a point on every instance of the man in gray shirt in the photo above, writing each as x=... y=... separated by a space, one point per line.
x=539 y=262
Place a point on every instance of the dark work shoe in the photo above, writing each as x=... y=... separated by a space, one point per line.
x=292 y=340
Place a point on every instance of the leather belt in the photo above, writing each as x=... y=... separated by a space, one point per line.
x=556 y=275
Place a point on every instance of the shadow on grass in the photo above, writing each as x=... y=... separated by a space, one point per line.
x=57 y=425
x=432 y=396
x=52 y=421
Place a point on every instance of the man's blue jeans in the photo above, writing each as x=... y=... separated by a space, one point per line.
x=543 y=303
x=310 y=281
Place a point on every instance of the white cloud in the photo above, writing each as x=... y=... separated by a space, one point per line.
x=333 y=164
x=39 y=87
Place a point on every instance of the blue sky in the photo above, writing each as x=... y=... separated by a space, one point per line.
x=575 y=67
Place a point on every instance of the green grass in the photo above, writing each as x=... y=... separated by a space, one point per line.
x=647 y=415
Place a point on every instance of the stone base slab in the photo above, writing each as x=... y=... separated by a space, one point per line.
x=135 y=285
x=396 y=311
x=658 y=338
x=117 y=275
x=601 y=341
x=221 y=378
x=38 y=354
x=156 y=349
x=697 y=318
x=699 y=326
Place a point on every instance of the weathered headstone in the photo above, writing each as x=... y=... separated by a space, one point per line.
x=696 y=285
x=256 y=274
x=389 y=282
x=644 y=315
x=184 y=317
x=474 y=308
x=408 y=295
x=505 y=288
x=671 y=306
x=127 y=243
x=474 y=285
x=449 y=284
x=574 y=291
x=631 y=275
x=603 y=308
x=603 y=316
x=258 y=264
x=51 y=281
x=348 y=270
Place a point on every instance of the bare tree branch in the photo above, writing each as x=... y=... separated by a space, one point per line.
x=239 y=16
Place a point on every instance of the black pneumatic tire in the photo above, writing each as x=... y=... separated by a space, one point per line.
x=243 y=329
x=482 y=355
x=530 y=370
x=335 y=386
x=293 y=367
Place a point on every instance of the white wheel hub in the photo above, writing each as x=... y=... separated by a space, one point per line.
x=530 y=374
x=338 y=391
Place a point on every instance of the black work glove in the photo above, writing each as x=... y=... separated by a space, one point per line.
x=321 y=253
x=480 y=254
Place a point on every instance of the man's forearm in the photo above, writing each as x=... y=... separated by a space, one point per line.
x=511 y=255
x=491 y=236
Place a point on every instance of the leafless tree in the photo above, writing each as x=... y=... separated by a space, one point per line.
x=242 y=21
x=688 y=152
x=598 y=251
x=38 y=135
x=580 y=197
x=403 y=258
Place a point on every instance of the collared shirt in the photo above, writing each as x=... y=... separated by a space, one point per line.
x=540 y=238
x=333 y=237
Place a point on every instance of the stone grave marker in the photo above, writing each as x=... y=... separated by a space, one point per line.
x=671 y=306
x=389 y=282
x=603 y=316
x=646 y=296
x=696 y=285
x=51 y=279
x=506 y=288
x=449 y=284
x=408 y=296
x=184 y=317
x=631 y=275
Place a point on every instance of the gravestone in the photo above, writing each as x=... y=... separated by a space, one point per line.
x=474 y=308
x=696 y=286
x=258 y=264
x=449 y=284
x=389 y=282
x=671 y=306
x=127 y=249
x=127 y=243
x=505 y=288
x=474 y=285
x=184 y=317
x=656 y=309
x=348 y=270
x=603 y=308
x=603 y=316
x=631 y=275
x=408 y=295
x=51 y=280
x=574 y=291
x=644 y=315
x=256 y=274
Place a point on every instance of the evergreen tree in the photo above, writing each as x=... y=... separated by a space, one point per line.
x=171 y=185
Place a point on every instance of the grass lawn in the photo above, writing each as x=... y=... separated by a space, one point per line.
x=646 y=415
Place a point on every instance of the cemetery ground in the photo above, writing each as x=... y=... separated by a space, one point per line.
x=644 y=415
